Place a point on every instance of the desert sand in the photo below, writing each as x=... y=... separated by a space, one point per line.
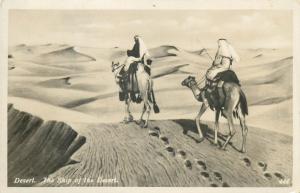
x=75 y=85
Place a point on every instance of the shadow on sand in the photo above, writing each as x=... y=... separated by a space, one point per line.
x=189 y=125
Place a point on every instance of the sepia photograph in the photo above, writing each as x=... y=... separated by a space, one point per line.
x=150 y=98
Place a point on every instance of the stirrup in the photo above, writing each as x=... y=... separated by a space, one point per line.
x=120 y=77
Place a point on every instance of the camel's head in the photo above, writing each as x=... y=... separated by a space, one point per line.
x=114 y=66
x=188 y=80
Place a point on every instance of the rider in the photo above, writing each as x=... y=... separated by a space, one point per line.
x=224 y=58
x=138 y=53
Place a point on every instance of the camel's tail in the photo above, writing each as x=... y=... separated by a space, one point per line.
x=243 y=103
x=155 y=106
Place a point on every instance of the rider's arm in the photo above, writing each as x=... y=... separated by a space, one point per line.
x=218 y=60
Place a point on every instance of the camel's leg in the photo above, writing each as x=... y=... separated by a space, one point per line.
x=147 y=106
x=203 y=108
x=244 y=129
x=216 y=126
x=231 y=101
x=148 y=109
x=228 y=112
x=142 y=115
x=128 y=116
x=231 y=130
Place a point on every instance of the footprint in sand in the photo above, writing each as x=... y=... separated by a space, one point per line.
x=279 y=176
x=182 y=154
x=205 y=175
x=201 y=164
x=188 y=164
x=218 y=176
x=213 y=185
x=267 y=175
x=157 y=129
x=164 y=139
x=247 y=161
x=170 y=150
x=153 y=133
x=225 y=184
x=262 y=165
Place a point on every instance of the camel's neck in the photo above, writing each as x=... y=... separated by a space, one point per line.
x=195 y=89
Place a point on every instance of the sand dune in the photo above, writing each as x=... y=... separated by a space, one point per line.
x=172 y=157
x=87 y=85
x=86 y=82
x=61 y=56
x=265 y=116
x=75 y=85
x=180 y=160
x=50 y=112
x=167 y=70
x=163 y=51
x=155 y=53
x=54 y=96
x=24 y=51
x=249 y=56
x=37 y=148
x=36 y=69
x=274 y=81
x=200 y=52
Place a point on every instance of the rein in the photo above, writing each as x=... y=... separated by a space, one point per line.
x=193 y=84
x=119 y=66
x=200 y=82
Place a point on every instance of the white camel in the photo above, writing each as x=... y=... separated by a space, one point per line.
x=145 y=86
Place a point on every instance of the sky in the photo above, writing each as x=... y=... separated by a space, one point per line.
x=188 y=29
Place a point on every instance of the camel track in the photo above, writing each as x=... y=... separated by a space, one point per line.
x=168 y=154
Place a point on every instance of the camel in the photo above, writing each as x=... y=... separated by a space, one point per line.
x=234 y=106
x=145 y=86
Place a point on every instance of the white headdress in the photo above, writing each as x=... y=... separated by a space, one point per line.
x=225 y=49
x=143 y=48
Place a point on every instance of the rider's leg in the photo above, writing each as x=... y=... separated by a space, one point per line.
x=211 y=73
x=212 y=99
x=129 y=60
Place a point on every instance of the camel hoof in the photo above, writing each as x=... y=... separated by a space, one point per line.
x=125 y=121
x=140 y=122
x=143 y=124
x=223 y=148
x=128 y=119
x=200 y=140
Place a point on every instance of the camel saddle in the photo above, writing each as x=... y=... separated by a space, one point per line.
x=214 y=91
x=129 y=84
